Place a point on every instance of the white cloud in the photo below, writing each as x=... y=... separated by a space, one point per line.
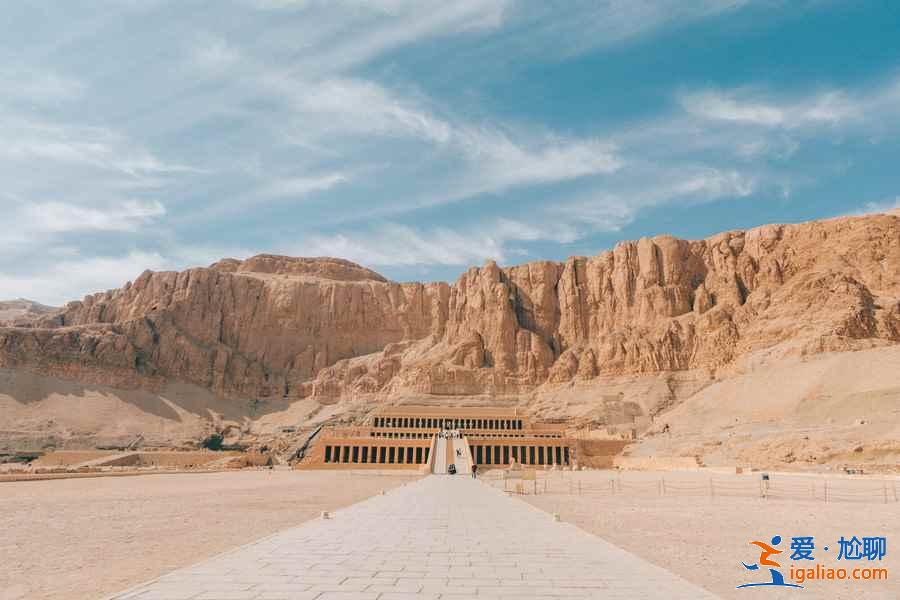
x=392 y=244
x=714 y=105
x=560 y=28
x=280 y=109
x=490 y=157
x=399 y=245
x=609 y=210
x=883 y=206
x=707 y=184
x=500 y=239
x=35 y=86
x=826 y=108
x=503 y=162
x=55 y=282
x=336 y=106
x=296 y=187
x=59 y=217
x=27 y=139
x=214 y=55
x=519 y=230
x=372 y=28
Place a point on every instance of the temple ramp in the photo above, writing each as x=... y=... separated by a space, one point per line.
x=439 y=466
x=461 y=455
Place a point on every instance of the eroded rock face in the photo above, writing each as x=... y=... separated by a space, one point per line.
x=275 y=326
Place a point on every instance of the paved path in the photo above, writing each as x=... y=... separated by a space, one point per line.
x=440 y=537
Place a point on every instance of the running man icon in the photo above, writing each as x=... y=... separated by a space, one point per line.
x=764 y=560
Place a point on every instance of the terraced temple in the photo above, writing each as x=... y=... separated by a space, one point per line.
x=432 y=438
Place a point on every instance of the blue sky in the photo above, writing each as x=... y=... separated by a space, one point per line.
x=420 y=137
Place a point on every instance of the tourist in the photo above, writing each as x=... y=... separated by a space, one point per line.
x=474 y=471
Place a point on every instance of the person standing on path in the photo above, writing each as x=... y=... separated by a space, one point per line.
x=474 y=471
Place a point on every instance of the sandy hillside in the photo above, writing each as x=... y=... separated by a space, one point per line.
x=39 y=411
x=22 y=311
x=839 y=408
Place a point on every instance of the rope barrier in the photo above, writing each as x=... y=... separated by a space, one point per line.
x=817 y=489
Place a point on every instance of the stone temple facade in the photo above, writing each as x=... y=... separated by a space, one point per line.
x=431 y=438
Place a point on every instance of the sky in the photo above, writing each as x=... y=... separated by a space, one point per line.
x=421 y=137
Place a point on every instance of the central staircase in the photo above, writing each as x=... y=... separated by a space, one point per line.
x=451 y=448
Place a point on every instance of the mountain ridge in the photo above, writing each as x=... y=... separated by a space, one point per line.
x=635 y=308
x=275 y=330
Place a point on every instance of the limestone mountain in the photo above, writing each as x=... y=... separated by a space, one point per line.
x=275 y=329
x=279 y=326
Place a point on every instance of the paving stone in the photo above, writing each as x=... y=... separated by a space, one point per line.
x=441 y=537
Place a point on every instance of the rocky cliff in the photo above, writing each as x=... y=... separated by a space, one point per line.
x=327 y=329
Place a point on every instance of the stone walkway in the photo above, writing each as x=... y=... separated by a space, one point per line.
x=440 y=537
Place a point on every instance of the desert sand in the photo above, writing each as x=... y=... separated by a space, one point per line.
x=704 y=539
x=86 y=538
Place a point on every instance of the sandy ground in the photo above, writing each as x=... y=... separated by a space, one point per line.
x=86 y=538
x=704 y=539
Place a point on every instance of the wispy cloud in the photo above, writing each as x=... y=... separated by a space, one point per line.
x=346 y=106
x=882 y=206
x=297 y=187
x=392 y=244
x=609 y=210
x=489 y=157
x=214 y=55
x=58 y=217
x=563 y=28
x=55 y=282
x=28 y=139
x=563 y=221
x=873 y=105
x=371 y=29
x=830 y=107
x=358 y=124
x=37 y=86
x=504 y=162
